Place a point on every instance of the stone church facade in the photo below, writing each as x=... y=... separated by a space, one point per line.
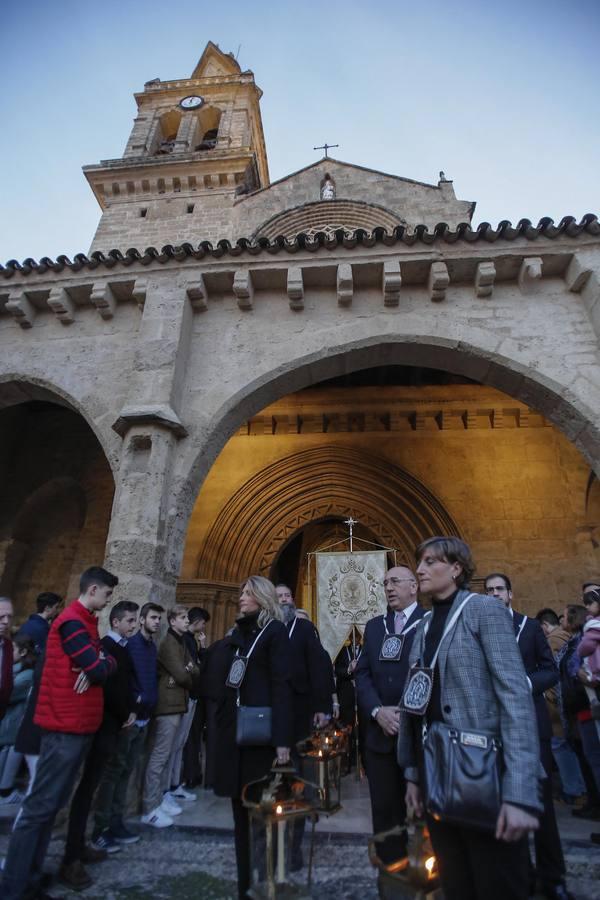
x=236 y=366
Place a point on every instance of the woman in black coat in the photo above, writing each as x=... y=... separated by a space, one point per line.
x=259 y=632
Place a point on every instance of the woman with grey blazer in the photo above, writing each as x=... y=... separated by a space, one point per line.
x=479 y=684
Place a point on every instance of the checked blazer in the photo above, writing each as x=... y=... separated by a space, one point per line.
x=483 y=688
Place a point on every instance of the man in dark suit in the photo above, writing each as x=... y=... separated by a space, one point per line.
x=542 y=674
x=380 y=676
x=311 y=667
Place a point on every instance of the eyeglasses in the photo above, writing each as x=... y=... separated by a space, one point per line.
x=387 y=581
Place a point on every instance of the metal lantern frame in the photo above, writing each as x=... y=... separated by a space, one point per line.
x=413 y=876
x=321 y=763
x=274 y=803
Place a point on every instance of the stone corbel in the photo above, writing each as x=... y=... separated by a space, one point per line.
x=243 y=288
x=103 y=299
x=345 y=284
x=140 y=289
x=577 y=274
x=161 y=415
x=295 y=287
x=62 y=305
x=484 y=279
x=392 y=282
x=438 y=282
x=21 y=308
x=530 y=272
x=197 y=294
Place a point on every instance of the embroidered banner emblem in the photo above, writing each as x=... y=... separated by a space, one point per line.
x=391 y=648
x=236 y=672
x=418 y=691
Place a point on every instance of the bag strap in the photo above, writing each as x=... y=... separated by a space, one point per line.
x=249 y=653
x=449 y=626
x=255 y=641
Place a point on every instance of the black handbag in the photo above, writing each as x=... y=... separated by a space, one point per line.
x=463 y=776
x=254 y=726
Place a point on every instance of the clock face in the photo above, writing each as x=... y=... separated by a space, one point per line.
x=191 y=102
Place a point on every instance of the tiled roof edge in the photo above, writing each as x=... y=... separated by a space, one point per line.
x=568 y=226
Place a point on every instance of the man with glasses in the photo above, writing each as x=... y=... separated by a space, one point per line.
x=380 y=676
x=542 y=674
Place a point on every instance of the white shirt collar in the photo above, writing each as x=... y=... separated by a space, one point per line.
x=408 y=611
x=117 y=638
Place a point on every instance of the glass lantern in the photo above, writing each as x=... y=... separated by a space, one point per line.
x=413 y=876
x=275 y=803
x=321 y=763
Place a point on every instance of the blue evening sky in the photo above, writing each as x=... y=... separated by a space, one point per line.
x=504 y=97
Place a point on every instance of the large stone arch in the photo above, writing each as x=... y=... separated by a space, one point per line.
x=322 y=482
x=565 y=407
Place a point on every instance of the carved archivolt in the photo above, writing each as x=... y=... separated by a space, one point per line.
x=329 y=216
x=316 y=484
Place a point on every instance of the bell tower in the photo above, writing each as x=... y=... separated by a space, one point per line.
x=196 y=144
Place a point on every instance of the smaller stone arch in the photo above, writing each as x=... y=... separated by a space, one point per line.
x=45 y=536
x=16 y=388
x=325 y=214
x=319 y=483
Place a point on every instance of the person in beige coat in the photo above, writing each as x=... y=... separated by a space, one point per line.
x=176 y=671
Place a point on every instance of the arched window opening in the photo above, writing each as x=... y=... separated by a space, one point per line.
x=207 y=128
x=169 y=128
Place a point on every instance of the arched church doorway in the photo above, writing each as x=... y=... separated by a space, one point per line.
x=57 y=490
x=409 y=452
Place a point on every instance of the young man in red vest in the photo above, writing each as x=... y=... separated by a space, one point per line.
x=69 y=710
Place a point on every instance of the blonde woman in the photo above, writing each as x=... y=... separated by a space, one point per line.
x=254 y=665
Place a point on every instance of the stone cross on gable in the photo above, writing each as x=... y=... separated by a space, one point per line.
x=326 y=147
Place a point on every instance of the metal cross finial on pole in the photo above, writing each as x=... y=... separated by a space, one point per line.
x=326 y=147
x=351 y=523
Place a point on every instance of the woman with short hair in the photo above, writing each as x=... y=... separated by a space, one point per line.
x=260 y=640
x=478 y=685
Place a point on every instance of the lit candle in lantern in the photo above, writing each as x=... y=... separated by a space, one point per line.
x=321 y=772
x=280 y=846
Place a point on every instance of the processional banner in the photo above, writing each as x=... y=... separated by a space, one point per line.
x=349 y=593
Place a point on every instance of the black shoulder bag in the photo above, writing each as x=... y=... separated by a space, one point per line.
x=462 y=768
x=253 y=723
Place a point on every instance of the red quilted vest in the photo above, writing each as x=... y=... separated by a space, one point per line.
x=58 y=707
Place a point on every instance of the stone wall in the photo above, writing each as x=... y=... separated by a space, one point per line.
x=166 y=357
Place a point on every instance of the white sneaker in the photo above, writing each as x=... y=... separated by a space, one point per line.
x=180 y=793
x=169 y=806
x=157 y=818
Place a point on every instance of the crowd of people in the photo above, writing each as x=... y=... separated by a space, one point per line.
x=133 y=721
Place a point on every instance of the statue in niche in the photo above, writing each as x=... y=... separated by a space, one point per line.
x=328 y=189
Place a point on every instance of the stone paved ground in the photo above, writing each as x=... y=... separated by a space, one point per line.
x=195 y=859
x=190 y=863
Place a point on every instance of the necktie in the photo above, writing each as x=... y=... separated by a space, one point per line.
x=399 y=622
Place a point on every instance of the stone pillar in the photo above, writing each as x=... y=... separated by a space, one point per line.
x=149 y=423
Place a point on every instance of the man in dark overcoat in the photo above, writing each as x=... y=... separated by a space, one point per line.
x=542 y=674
